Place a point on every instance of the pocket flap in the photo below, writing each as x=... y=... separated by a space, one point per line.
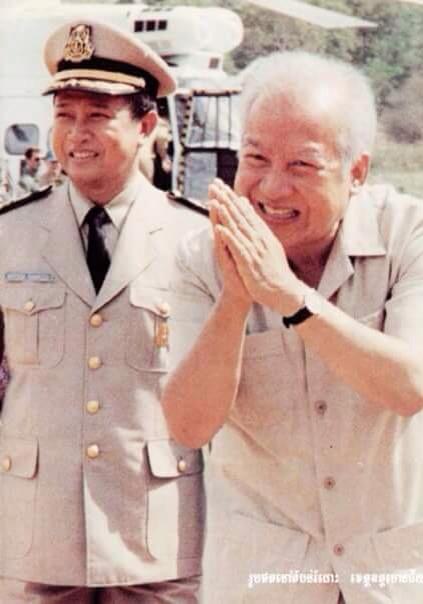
x=167 y=303
x=373 y=319
x=30 y=300
x=167 y=459
x=18 y=456
x=154 y=300
x=264 y=344
x=401 y=547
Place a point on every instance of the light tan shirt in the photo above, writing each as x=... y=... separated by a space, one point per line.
x=306 y=474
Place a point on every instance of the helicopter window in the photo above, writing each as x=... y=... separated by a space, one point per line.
x=208 y=131
x=19 y=137
x=162 y=25
x=151 y=25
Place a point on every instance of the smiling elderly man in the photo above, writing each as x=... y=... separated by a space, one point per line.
x=308 y=374
x=97 y=503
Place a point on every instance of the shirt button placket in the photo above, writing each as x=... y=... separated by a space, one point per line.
x=329 y=483
x=320 y=407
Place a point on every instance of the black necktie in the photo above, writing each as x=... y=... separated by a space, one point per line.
x=98 y=258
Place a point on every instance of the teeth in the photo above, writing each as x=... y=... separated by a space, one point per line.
x=278 y=212
x=83 y=154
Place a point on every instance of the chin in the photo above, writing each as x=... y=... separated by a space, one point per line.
x=82 y=172
x=84 y=180
x=285 y=233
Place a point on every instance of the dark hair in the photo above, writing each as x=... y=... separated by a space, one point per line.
x=30 y=152
x=141 y=103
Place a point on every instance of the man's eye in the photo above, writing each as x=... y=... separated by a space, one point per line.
x=255 y=157
x=300 y=163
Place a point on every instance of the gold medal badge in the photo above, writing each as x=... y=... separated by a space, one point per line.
x=79 y=46
x=161 y=333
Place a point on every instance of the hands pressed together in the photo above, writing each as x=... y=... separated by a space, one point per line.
x=252 y=260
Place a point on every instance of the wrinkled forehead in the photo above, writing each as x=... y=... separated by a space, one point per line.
x=318 y=114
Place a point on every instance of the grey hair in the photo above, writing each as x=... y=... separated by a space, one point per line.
x=300 y=72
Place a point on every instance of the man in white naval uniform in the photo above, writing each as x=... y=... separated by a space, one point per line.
x=97 y=503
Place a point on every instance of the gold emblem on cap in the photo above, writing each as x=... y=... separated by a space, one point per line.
x=79 y=46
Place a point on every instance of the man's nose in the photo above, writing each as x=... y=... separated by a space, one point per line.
x=78 y=130
x=277 y=183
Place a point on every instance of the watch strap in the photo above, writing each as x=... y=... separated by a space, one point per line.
x=298 y=317
x=312 y=306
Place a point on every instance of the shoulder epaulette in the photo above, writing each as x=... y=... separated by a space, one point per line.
x=23 y=201
x=188 y=202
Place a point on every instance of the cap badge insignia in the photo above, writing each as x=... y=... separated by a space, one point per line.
x=79 y=46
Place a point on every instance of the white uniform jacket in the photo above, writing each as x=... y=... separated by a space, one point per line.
x=92 y=491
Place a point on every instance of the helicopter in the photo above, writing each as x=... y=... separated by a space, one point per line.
x=202 y=114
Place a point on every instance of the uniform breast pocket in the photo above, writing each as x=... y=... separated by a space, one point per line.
x=162 y=327
x=34 y=324
x=147 y=335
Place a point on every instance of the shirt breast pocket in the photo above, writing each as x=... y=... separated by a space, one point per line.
x=34 y=324
x=269 y=379
x=375 y=319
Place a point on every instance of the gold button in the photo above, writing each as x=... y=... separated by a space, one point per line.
x=339 y=549
x=96 y=320
x=93 y=406
x=6 y=463
x=164 y=309
x=28 y=306
x=182 y=465
x=93 y=451
x=94 y=362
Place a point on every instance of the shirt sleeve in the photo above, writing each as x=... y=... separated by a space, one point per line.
x=404 y=307
x=195 y=272
x=193 y=292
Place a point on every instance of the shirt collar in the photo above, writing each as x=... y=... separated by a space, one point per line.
x=117 y=208
x=358 y=235
x=360 y=230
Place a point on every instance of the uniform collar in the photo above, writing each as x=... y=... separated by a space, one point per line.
x=135 y=250
x=117 y=208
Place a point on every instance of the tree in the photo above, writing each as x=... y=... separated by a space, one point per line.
x=403 y=114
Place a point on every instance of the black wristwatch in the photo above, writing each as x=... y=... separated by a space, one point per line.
x=311 y=307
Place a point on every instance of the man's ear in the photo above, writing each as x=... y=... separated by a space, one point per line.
x=148 y=122
x=359 y=170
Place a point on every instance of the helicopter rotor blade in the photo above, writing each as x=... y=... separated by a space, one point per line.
x=323 y=17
